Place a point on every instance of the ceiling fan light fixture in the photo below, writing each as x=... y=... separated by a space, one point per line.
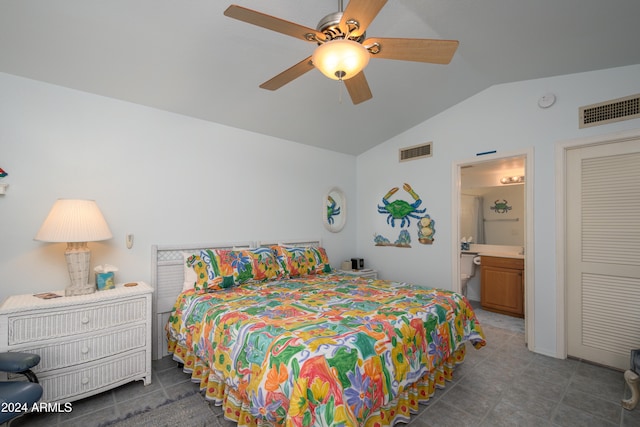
x=340 y=59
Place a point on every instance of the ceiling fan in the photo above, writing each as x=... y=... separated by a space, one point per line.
x=343 y=51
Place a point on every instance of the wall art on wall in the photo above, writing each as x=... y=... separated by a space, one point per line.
x=500 y=206
x=426 y=230
x=334 y=210
x=3 y=186
x=401 y=210
x=403 y=240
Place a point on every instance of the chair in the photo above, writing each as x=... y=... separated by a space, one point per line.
x=18 y=397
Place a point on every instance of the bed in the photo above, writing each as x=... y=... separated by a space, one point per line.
x=277 y=337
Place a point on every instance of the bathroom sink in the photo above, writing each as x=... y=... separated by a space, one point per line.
x=500 y=251
x=502 y=254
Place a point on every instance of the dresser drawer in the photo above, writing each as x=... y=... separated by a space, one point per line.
x=87 y=348
x=87 y=379
x=37 y=326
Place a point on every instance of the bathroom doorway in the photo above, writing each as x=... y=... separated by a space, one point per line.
x=485 y=173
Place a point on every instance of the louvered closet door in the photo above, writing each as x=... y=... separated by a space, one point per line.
x=603 y=252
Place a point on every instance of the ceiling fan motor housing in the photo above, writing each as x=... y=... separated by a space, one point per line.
x=330 y=26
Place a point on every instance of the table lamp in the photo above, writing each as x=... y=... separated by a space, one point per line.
x=75 y=222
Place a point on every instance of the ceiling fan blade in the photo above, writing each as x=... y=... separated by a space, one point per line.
x=358 y=88
x=272 y=23
x=288 y=75
x=362 y=11
x=419 y=50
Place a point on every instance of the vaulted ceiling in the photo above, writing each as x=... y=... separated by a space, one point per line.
x=187 y=57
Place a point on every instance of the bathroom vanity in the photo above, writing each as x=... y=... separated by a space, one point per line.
x=502 y=284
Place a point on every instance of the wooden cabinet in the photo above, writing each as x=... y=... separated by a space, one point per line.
x=502 y=285
x=87 y=343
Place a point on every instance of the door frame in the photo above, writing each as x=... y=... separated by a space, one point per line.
x=529 y=244
x=561 y=218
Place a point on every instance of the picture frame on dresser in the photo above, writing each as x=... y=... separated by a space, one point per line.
x=88 y=344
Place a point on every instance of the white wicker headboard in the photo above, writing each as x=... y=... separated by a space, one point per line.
x=167 y=278
x=290 y=242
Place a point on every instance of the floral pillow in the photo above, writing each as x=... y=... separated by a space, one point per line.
x=189 y=274
x=201 y=269
x=300 y=261
x=224 y=268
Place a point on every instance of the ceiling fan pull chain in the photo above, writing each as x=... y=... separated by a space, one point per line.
x=340 y=90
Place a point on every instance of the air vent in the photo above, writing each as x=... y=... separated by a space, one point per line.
x=612 y=111
x=416 y=152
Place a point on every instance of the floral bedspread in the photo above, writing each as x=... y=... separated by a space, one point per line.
x=323 y=349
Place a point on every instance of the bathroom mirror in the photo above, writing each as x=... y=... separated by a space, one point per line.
x=334 y=210
x=491 y=211
x=482 y=219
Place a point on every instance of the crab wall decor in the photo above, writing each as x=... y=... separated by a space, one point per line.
x=401 y=209
x=500 y=206
x=334 y=210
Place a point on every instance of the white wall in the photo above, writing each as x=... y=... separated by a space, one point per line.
x=165 y=178
x=503 y=118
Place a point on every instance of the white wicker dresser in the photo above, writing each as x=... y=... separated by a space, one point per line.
x=87 y=343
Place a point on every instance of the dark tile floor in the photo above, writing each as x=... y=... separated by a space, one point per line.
x=503 y=384
x=167 y=382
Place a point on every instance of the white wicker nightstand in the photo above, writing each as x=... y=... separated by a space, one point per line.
x=87 y=343
x=367 y=273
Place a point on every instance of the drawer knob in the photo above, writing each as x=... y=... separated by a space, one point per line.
x=85 y=380
x=85 y=320
x=85 y=350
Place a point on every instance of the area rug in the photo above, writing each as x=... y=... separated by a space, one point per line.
x=188 y=411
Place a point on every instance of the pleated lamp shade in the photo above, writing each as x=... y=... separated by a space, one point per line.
x=74 y=221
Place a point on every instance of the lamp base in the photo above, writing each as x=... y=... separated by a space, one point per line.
x=78 y=258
